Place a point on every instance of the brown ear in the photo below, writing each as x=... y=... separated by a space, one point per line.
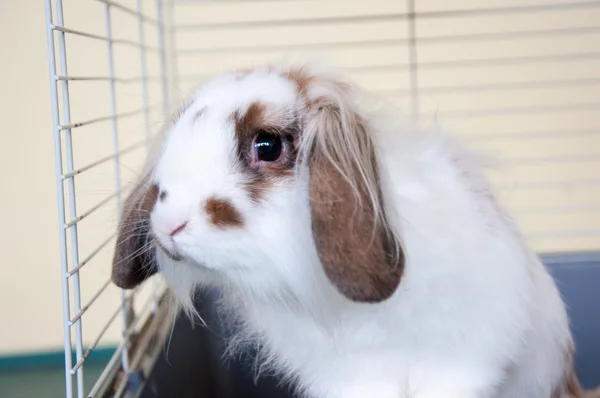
x=134 y=259
x=358 y=250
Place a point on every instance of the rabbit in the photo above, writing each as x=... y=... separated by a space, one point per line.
x=364 y=258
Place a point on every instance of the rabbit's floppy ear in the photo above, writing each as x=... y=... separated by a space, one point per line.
x=134 y=259
x=359 y=251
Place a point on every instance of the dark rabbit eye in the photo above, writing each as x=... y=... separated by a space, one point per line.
x=267 y=147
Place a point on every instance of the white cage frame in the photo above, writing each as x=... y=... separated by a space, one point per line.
x=70 y=262
x=152 y=311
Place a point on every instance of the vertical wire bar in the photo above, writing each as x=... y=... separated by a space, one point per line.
x=412 y=58
x=117 y=169
x=56 y=131
x=170 y=27
x=163 y=56
x=144 y=71
x=145 y=99
x=62 y=50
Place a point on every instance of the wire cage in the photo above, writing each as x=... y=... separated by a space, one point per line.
x=515 y=78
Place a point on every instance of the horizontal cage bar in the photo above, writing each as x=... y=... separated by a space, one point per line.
x=93 y=345
x=105 y=159
x=126 y=336
x=91 y=210
x=131 y=43
x=134 y=79
x=89 y=304
x=93 y=254
x=103 y=119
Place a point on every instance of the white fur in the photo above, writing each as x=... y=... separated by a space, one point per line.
x=476 y=314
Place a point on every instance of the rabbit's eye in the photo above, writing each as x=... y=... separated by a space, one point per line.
x=267 y=147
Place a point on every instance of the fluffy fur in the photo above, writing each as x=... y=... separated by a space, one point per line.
x=374 y=261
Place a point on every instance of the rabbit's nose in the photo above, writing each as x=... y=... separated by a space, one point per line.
x=178 y=229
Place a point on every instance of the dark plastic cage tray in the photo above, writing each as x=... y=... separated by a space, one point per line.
x=192 y=367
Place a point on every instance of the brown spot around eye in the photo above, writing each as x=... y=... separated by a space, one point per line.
x=222 y=213
x=258 y=180
x=245 y=126
x=249 y=122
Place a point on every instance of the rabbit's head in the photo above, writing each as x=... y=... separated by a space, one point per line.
x=268 y=179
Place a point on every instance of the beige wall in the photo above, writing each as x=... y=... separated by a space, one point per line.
x=519 y=123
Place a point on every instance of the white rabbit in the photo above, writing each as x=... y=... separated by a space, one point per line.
x=364 y=259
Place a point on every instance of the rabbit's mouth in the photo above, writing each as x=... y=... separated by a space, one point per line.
x=170 y=253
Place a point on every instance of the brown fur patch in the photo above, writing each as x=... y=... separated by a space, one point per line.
x=222 y=213
x=133 y=259
x=300 y=77
x=246 y=124
x=245 y=128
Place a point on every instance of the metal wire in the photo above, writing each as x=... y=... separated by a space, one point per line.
x=66 y=299
x=126 y=334
x=91 y=210
x=66 y=173
x=144 y=72
x=89 y=304
x=94 y=343
x=93 y=254
x=136 y=13
x=116 y=79
x=71 y=189
x=76 y=32
x=70 y=126
x=115 y=156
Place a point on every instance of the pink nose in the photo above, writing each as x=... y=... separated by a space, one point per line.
x=178 y=229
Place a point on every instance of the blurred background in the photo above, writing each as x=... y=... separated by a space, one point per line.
x=515 y=79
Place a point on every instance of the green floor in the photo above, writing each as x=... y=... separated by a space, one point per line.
x=42 y=383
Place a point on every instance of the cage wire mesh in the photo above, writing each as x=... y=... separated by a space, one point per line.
x=520 y=79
